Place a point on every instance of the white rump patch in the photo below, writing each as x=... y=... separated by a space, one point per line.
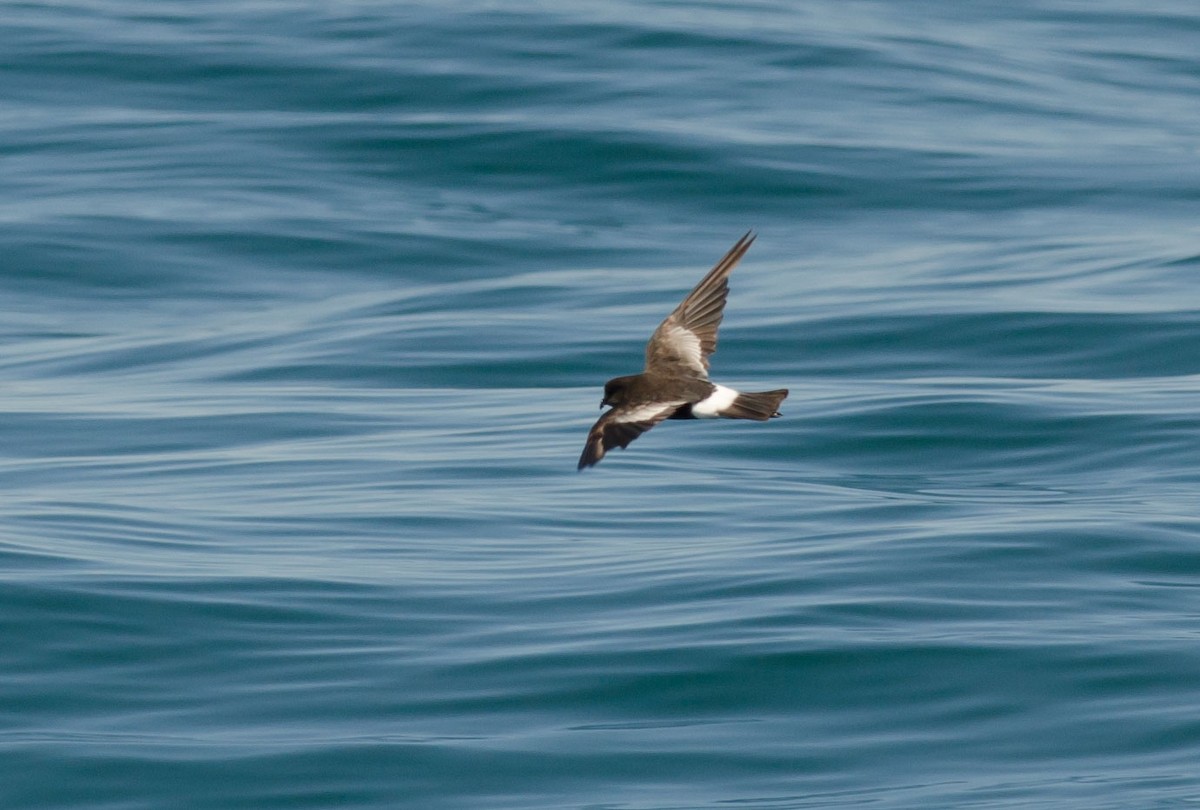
x=716 y=402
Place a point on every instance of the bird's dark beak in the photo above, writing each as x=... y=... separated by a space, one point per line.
x=602 y=404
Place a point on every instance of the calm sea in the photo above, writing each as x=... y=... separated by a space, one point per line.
x=306 y=308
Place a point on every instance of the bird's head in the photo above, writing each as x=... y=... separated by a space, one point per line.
x=615 y=391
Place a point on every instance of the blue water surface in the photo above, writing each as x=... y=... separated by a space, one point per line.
x=307 y=308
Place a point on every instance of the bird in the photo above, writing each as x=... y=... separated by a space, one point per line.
x=674 y=383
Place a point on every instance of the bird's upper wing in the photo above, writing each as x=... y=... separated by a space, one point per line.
x=619 y=426
x=683 y=342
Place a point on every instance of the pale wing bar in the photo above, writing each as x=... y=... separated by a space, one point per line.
x=700 y=314
x=619 y=427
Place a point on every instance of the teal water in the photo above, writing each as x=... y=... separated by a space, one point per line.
x=307 y=309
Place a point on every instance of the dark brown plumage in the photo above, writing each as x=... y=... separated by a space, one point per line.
x=674 y=383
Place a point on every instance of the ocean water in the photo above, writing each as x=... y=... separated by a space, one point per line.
x=307 y=308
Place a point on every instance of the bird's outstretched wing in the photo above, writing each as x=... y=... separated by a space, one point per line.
x=619 y=426
x=682 y=343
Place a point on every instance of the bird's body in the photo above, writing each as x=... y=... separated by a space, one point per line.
x=674 y=383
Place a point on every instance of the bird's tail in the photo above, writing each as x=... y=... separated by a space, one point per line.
x=759 y=406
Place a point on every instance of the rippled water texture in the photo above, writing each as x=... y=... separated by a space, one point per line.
x=307 y=309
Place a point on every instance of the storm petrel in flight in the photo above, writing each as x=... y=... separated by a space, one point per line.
x=674 y=384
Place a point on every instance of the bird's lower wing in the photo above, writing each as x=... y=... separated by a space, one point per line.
x=620 y=426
